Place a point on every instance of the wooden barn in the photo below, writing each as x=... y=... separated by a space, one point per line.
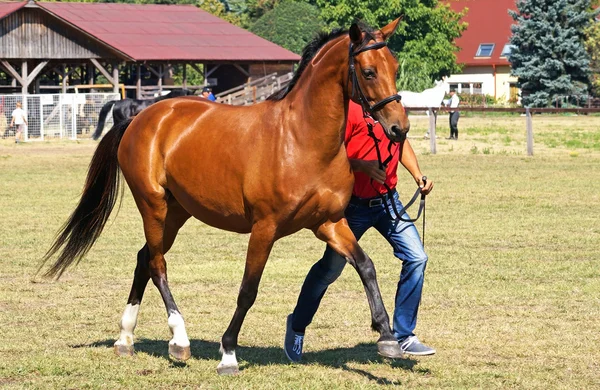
x=60 y=45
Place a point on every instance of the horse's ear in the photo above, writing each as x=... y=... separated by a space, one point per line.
x=355 y=34
x=390 y=29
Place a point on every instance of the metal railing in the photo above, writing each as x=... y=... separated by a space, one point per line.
x=67 y=116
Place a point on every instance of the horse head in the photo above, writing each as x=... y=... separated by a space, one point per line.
x=372 y=76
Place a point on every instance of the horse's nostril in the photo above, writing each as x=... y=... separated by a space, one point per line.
x=396 y=130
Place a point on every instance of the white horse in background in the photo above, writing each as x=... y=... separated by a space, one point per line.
x=429 y=98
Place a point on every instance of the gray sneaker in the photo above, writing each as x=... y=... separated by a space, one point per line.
x=292 y=344
x=412 y=346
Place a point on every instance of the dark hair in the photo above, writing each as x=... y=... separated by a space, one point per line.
x=311 y=49
x=206 y=89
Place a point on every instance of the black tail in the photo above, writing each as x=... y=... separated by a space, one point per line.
x=102 y=118
x=100 y=195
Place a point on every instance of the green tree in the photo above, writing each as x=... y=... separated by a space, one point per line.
x=219 y=9
x=549 y=55
x=290 y=24
x=257 y=8
x=592 y=45
x=424 y=40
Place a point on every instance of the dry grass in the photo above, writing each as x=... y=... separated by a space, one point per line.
x=511 y=297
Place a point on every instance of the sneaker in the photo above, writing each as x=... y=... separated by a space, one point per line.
x=292 y=344
x=412 y=346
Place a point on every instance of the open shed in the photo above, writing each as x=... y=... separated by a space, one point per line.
x=131 y=45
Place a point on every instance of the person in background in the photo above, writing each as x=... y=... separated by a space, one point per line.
x=453 y=102
x=207 y=94
x=19 y=119
x=367 y=208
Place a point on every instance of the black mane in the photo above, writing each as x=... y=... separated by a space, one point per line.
x=311 y=50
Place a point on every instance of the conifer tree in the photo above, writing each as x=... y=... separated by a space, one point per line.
x=549 y=55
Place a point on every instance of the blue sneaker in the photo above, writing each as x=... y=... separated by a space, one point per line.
x=412 y=346
x=292 y=344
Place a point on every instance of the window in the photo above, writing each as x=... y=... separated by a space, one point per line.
x=485 y=50
x=507 y=50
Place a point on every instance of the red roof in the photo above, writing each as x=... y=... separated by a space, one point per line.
x=7 y=8
x=489 y=22
x=167 y=32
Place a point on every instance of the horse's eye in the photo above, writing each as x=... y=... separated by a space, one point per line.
x=368 y=74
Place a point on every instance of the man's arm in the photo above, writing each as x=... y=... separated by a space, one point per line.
x=369 y=168
x=408 y=159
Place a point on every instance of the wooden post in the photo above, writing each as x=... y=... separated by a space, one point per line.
x=65 y=77
x=529 y=121
x=184 y=83
x=24 y=91
x=90 y=74
x=24 y=84
x=160 y=79
x=138 y=82
x=115 y=76
x=432 y=141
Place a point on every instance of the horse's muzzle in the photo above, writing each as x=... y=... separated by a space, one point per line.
x=399 y=133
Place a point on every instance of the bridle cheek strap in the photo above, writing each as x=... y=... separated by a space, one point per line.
x=368 y=109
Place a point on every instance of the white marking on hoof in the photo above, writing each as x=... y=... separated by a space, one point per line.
x=229 y=364
x=177 y=326
x=128 y=323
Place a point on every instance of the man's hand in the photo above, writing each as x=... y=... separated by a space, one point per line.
x=369 y=168
x=425 y=187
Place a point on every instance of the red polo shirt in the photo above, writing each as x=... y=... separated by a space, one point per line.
x=359 y=145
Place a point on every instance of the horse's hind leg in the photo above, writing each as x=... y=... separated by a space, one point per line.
x=161 y=231
x=339 y=237
x=259 y=247
x=124 y=345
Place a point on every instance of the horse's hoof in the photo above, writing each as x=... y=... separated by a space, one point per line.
x=223 y=369
x=390 y=349
x=179 y=353
x=124 y=350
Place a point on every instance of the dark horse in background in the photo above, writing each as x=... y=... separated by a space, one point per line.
x=270 y=170
x=128 y=108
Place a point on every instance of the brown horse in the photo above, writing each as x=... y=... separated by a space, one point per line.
x=269 y=170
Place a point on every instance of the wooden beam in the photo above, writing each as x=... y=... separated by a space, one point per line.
x=247 y=74
x=158 y=73
x=12 y=71
x=36 y=71
x=195 y=67
x=102 y=70
x=209 y=73
x=184 y=81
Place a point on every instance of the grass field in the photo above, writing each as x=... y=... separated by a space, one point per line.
x=511 y=300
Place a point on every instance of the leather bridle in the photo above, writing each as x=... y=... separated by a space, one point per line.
x=368 y=109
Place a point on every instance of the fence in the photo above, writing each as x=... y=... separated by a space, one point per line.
x=432 y=113
x=50 y=116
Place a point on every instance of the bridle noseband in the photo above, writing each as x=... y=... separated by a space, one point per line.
x=368 y=110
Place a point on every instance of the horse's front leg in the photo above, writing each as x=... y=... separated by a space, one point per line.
x=341 y=239
x=260 y=244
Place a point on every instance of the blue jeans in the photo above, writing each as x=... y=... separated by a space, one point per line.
x=406 y=243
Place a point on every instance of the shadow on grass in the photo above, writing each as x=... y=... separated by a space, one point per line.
x=363 y=353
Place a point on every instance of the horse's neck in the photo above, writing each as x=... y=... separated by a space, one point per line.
x=321 y=99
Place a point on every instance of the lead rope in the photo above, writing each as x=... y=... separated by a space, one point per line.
x=385 y=197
